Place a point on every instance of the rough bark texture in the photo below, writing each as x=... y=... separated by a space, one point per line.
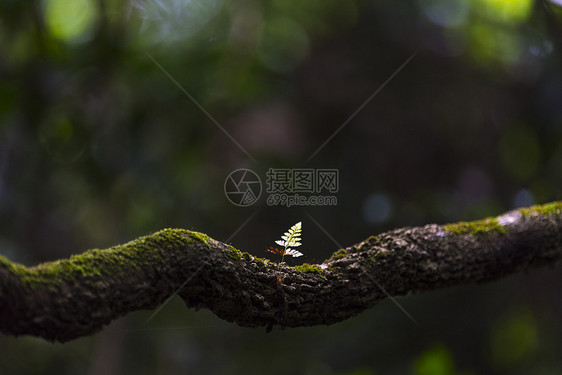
x=70 y=298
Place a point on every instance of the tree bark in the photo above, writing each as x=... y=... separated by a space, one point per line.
x=74 y=297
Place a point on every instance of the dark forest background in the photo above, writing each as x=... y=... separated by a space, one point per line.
x=98 y=146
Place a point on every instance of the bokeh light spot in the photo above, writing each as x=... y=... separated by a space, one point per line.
x=492 y=44
x=523 y=198
x=446 y=13
x=505 y=10
x=71 y=21
x=436 y=360
x=284 y=44
x=174 y=20
x=514 y=339
x=377 y=208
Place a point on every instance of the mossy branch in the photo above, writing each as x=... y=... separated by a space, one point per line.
x=74 y=297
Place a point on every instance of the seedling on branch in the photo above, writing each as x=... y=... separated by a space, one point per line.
x=289 y=240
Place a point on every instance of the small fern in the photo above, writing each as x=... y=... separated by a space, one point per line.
x=290 y=239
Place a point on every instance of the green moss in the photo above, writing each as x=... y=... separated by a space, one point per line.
x=201 y=237
x=341 y=253
x=235 y=253
x=115 y=261
x=15 y=268
x=479 y=227
x=265 y=262
x=311 y=268
x=91 y=264
x=554 y=208
x=491 y=225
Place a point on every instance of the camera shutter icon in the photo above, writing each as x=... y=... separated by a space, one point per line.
x=242 y=187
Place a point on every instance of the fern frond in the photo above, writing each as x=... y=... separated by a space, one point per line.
x=293 y=236
x=293 y=252
x=290 y=239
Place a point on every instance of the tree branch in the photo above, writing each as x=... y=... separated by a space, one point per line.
x=74 y=297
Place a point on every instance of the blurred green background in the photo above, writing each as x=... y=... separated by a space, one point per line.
x=98 y=146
